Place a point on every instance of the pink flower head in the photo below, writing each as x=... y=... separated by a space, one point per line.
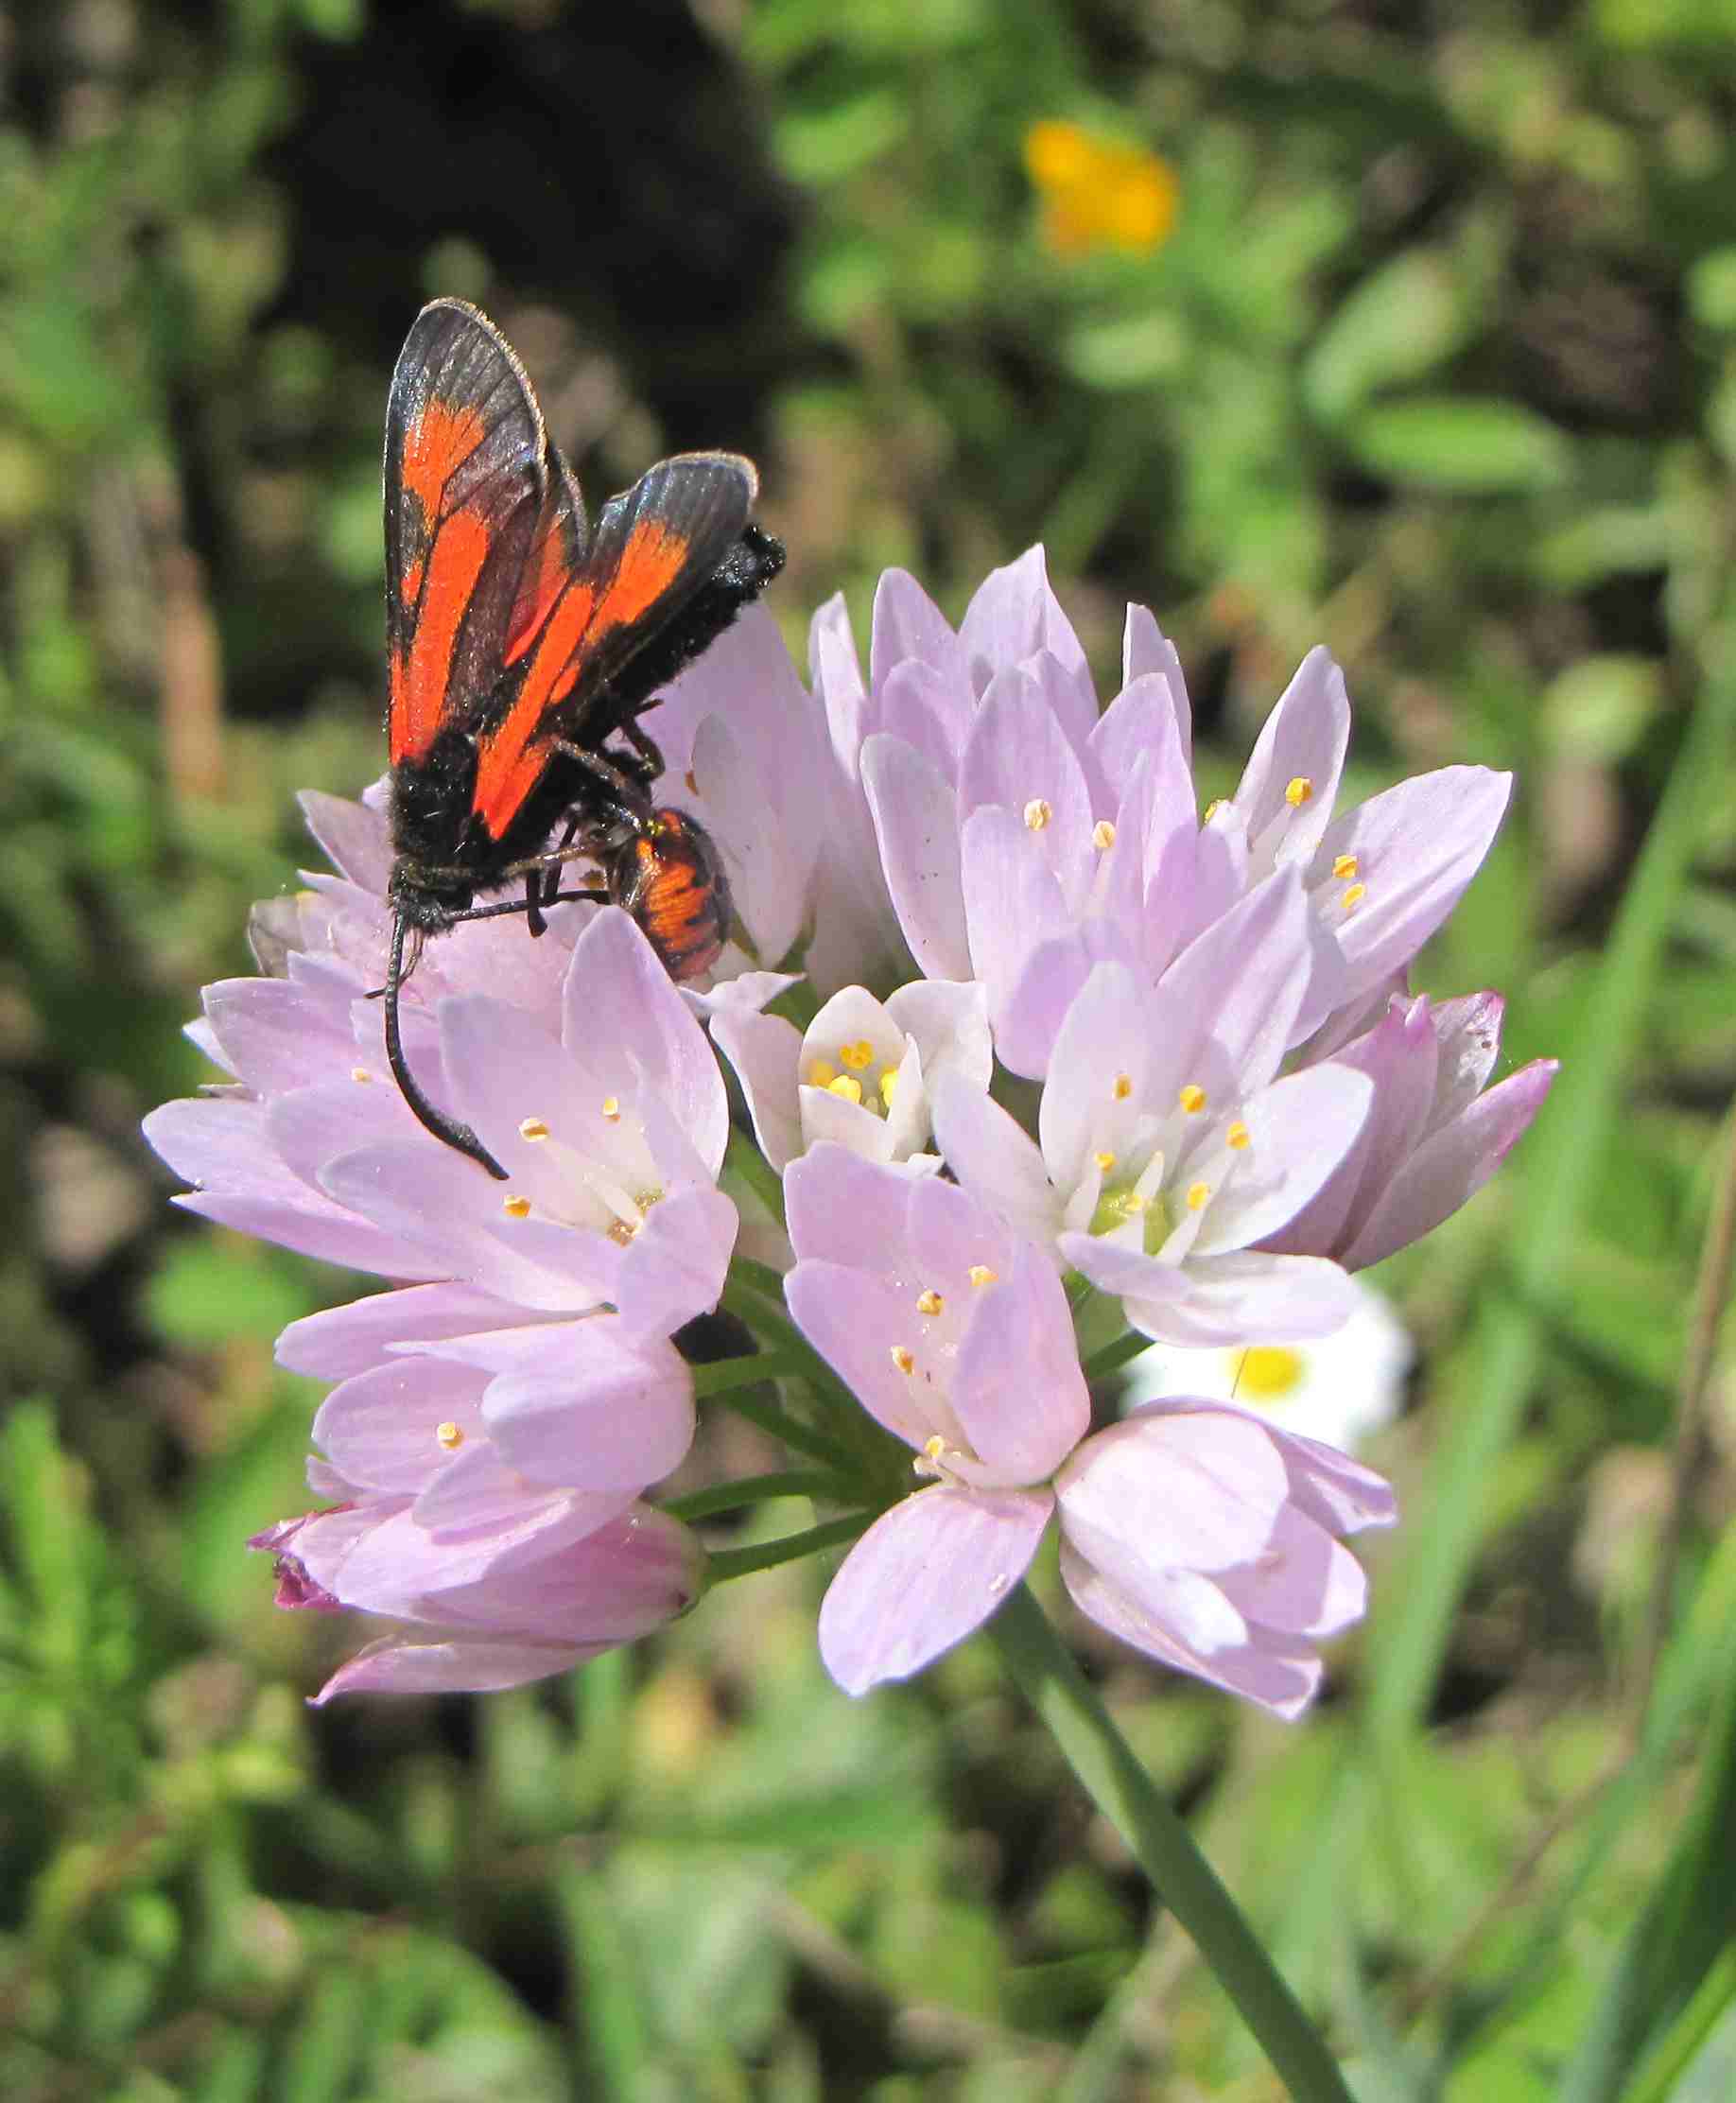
x=612 y=1137
x=1167 y=1148
x=1435 y=1135
x=480 y=1620
x=1206 y=1542
x=1025 y=837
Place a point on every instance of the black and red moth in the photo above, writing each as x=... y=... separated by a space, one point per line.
x=523 y=645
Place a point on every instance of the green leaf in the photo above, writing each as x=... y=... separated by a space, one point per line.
x=1455 y=442
x=1712 y=289
x=1399 y=324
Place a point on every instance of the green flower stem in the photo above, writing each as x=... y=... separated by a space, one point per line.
x=725 y=1563
x=1114 y=1356
x=721 y=1375
x=759 y=1490
x=1034 y=1655
x=744 y=1159
x=755 y=1295
x=778 y=1423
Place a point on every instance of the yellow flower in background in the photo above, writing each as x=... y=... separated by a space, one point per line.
x=1099 y=193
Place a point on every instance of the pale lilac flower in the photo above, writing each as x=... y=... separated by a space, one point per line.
x=863 y=1072
x=480 y=1619
x=1204 y=1537
x=1026 y=837
x=1167 y=1148
x=955 y=1335
x=612 y=1136
x=1193 y=1532
x=1339 y=1389
x=1434 y=1136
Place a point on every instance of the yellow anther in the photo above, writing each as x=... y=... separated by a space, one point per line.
x=612 y=1109
x=1134 y=1204
x=1298 y=790
x=623 y=1232
x=449 y=1434
x=515 y=1207
x=846 y=1086
x=1197 y=1195
x=1123 y=1087
x=1105 y=1159
x=360 y=1073
x=1193 y=1098
x=1238 y=1136
x=889 y=1086
x=979 y=1274
x=532 y=1128
x=1102 y=836
x=903 y=1359
x=856 y=1056
x=930 y=1302
x=1038 y=811
x=1345 y=866
x=821 y=1074
x=1354 y=897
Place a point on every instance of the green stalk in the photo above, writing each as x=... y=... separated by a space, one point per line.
x=726 y=1563
x=1034 y=1655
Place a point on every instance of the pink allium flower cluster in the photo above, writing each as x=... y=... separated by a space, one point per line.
x=956 y=863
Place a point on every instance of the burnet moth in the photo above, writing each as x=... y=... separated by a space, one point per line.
x=523 y=645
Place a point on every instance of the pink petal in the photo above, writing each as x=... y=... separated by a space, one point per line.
x=675 y=1266
x=1452 y=1165
x=400 y=1666
x=615 y=972
x=1417 y=847
x=922 y=1577
x=766 y=1053
x=581 y=1405
x=1303 y=1584
x=915 y=821
x=1147 y=651
x=907 y=624
x=994 y=1158
x=1305 y=739
x=381 y=1427
x=1012 y=617
x=843 y=1209
x=1279 y=1678
x=1299 y=1130
x=339 y=1341
x=357 y=841
x=1016 y=1384
x=1173 y=1489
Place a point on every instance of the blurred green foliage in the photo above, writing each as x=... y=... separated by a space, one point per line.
x=1438 y=365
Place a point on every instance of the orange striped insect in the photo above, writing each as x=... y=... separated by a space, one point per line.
x=523 y=645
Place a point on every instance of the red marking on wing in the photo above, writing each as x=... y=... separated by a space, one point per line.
x=435 y=447
x=548 y=574
x=421 y=681
x=512 y=759
x=650 y=562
